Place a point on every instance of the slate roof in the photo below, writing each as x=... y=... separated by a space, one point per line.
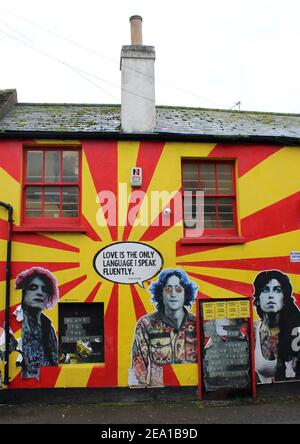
x=171 y=122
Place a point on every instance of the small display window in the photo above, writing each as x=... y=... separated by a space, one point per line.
x=81 y=333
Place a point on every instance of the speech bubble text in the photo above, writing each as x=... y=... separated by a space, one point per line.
x=128 y=263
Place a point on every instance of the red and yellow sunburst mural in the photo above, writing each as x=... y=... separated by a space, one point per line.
x=268 y=184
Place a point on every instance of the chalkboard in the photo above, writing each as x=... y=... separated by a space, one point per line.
x=225 y=345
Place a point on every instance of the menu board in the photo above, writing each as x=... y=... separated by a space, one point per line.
x=231 y=309
x=225 y=348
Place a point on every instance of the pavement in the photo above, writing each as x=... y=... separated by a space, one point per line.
x=277 y=404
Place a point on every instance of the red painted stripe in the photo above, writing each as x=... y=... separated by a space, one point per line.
x=4 y=229
x=17 y=267
x=11 y=157
x=102 y=158
x=169 y=376
x=236 y=286
x=137 y=302
x=280 y=217
x=282 y=263
x=35 y=239
x=297 y=299
x=91 y=233
x=93 y=293
x=184 y=250
x=148 y=158
x=13 y=323
x=43 y=241
x=48 y=379
x=107 y=374
x=248 y=155
x=203 y=295
x=68 y=286
x=162 y=223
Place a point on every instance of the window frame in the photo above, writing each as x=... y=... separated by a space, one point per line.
x=213 y=234
x=51 y=222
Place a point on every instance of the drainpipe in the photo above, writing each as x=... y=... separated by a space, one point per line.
x=9 y=208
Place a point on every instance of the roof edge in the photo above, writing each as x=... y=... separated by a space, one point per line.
x=274 y=140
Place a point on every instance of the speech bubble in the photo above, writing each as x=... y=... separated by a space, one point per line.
x=128 y=263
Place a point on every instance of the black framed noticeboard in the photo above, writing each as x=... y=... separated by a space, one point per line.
x=225 y=345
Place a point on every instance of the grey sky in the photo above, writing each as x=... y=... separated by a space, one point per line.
x=220 y=51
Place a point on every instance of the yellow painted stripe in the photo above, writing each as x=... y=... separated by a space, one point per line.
x=187 y=374
x=126 y=326
x=267 y=183
x=29 y=253
x=58 y=143
x=74 y=375
x=225 y=273
x=214 y=291
x=92 y=210
x=146 y=297
x=10 y=191
x=14 y=371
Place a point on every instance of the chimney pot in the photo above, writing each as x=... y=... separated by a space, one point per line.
x=137 y=83
x=136 y=30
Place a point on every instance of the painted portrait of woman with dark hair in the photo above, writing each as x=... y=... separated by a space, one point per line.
x=38 y=345
x=167 y=336
x=276 y=332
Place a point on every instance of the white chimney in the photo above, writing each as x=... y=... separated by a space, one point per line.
x=137 y=83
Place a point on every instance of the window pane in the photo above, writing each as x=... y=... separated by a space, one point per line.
x=70 y=166
x=225 y=212
x=34 y=166
x=207 y=177
x=224 y=171
x=52 y=166
x=190 y=176
x=52 y=202
x=33 y=203
x=70 y=202
x=210 y=217
x=190 y=211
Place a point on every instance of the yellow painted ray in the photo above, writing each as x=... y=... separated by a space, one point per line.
x=77 y=293
x=14 y=370
x=73 y=239
x=66 y=143
x=278 y=245
x=163 y=181
x=73 y=375
x=30 y=253
x=146 y=297
x=127 y=158
x=214 y=291
x=2 y=298
x=53 y=316
x=267 y=183
x=246 y=276
x=92 y=209
x=187 y=374
x=126 y=326
x=104 y=293
x=10 y=187
x=170 y=237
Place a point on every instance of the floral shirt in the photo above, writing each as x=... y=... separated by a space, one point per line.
x=39 y=346
x=158 y=341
